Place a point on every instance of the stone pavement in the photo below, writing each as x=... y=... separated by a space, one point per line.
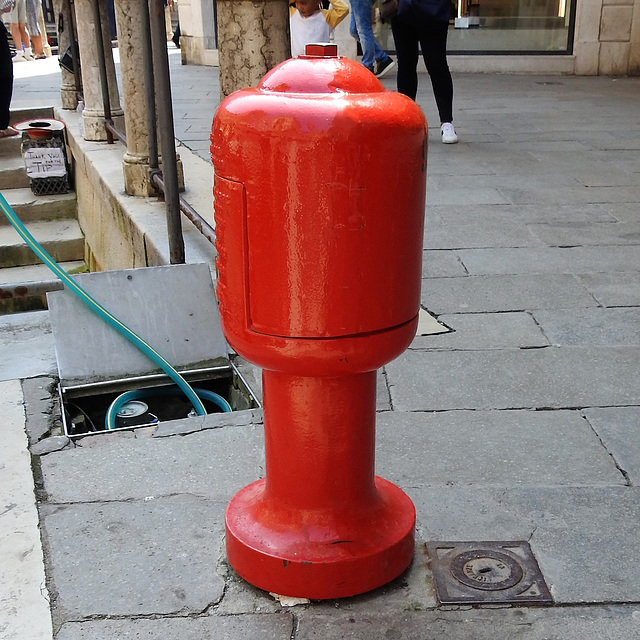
x=521 y=423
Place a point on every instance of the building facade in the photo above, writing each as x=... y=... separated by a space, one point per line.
x=582 y=37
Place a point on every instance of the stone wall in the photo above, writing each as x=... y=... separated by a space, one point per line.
x=607 y=40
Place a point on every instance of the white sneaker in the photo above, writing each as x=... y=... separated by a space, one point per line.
x=19 y=57
x=28 y=57
x=448 y=133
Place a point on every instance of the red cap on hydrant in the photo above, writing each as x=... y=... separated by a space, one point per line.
x=319 y=205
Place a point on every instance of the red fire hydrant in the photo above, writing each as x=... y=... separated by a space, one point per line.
x=319 y=203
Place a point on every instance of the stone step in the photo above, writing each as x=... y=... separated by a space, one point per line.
x=13 y=174
x=10 y=147
x=24 y=288
x=31 y=208
x=61 y=239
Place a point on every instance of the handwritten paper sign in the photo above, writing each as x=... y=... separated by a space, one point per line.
x=45 y=162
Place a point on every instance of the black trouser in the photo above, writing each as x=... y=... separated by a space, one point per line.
x=432 y=38
x=6 y=77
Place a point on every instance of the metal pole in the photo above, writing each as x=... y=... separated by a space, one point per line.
x=102 y=67
x=167 y=138
x=75 y=54
x=149 y=86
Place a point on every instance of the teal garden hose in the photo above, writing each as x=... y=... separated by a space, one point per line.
x=121 y=328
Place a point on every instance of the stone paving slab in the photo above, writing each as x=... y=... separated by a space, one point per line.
x=584 y=195
x=140 y=557
x=574 y=234
x=590 y=327
x=528 y=213
x=551 y=260
x=441 y=264
x=584 y=538
x=476 y=232
x=511 y=379
x=26 y=344
x=614 y=289
x=484 y=331
x=619 y=430
x=278 y=626
x=582 y=623
x=503 y=448
x=214 y=463
x=24 y=599
x=511 y=292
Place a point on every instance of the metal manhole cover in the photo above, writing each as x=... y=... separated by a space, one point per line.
x=486 y=573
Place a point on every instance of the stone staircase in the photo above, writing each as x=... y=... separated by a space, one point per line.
x=51 y=220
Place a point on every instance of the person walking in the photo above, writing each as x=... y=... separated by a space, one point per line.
x=310 y=22
x=425 y=23
x=360 y=27
x=17 y=20
x=6 y=77
x=34 y=8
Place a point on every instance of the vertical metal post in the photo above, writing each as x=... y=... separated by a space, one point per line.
x=149 y=86
x=102 y=66
x=167 y=136
x=75 y=54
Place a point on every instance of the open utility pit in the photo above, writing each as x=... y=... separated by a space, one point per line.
x=84 y=408
x=174 y=310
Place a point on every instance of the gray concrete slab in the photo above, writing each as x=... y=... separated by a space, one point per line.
x=584 y=538
x=619 y=430
x=572 y=235
x=141 y=557
x=558 y=260
x=556 y=213
x=499 y=293
x=214 y=463
x=510 y=379
x=620 y=289
x=504 y=448
x=26 y=345
x=276 y=626
x=484 y=331
x=581 y=623
x=591 y=327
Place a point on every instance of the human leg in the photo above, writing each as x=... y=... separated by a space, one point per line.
x=33 y=27
x=361 y=29
x=433 y=41
x=406 y=41
x=6 y=80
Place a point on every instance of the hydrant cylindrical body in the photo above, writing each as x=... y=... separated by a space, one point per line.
x=319 y=205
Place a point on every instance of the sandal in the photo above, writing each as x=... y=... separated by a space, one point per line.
x=8 y=132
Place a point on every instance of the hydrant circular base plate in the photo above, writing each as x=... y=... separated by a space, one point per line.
x=320 y=554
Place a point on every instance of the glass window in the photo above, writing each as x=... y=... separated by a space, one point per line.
x=505 y=26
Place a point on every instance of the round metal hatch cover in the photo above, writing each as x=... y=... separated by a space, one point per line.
x=486 y=569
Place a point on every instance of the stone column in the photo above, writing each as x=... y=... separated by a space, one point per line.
x=68 y=95
x=198 y=43
x=93 y=116
x=130 y=15
x=253 y=37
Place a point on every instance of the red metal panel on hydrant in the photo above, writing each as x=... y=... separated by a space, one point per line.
x=319 y=203
x=334 y=200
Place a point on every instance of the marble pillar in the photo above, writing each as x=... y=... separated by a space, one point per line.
x=68 y=95
x=253 y=37
x=130 y=14
x=93 y=116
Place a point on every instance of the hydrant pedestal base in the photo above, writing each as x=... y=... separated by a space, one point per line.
x=320 y=554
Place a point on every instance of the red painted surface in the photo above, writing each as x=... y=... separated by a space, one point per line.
x=319 y=203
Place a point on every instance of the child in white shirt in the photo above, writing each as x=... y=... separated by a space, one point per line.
x=309 y=22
